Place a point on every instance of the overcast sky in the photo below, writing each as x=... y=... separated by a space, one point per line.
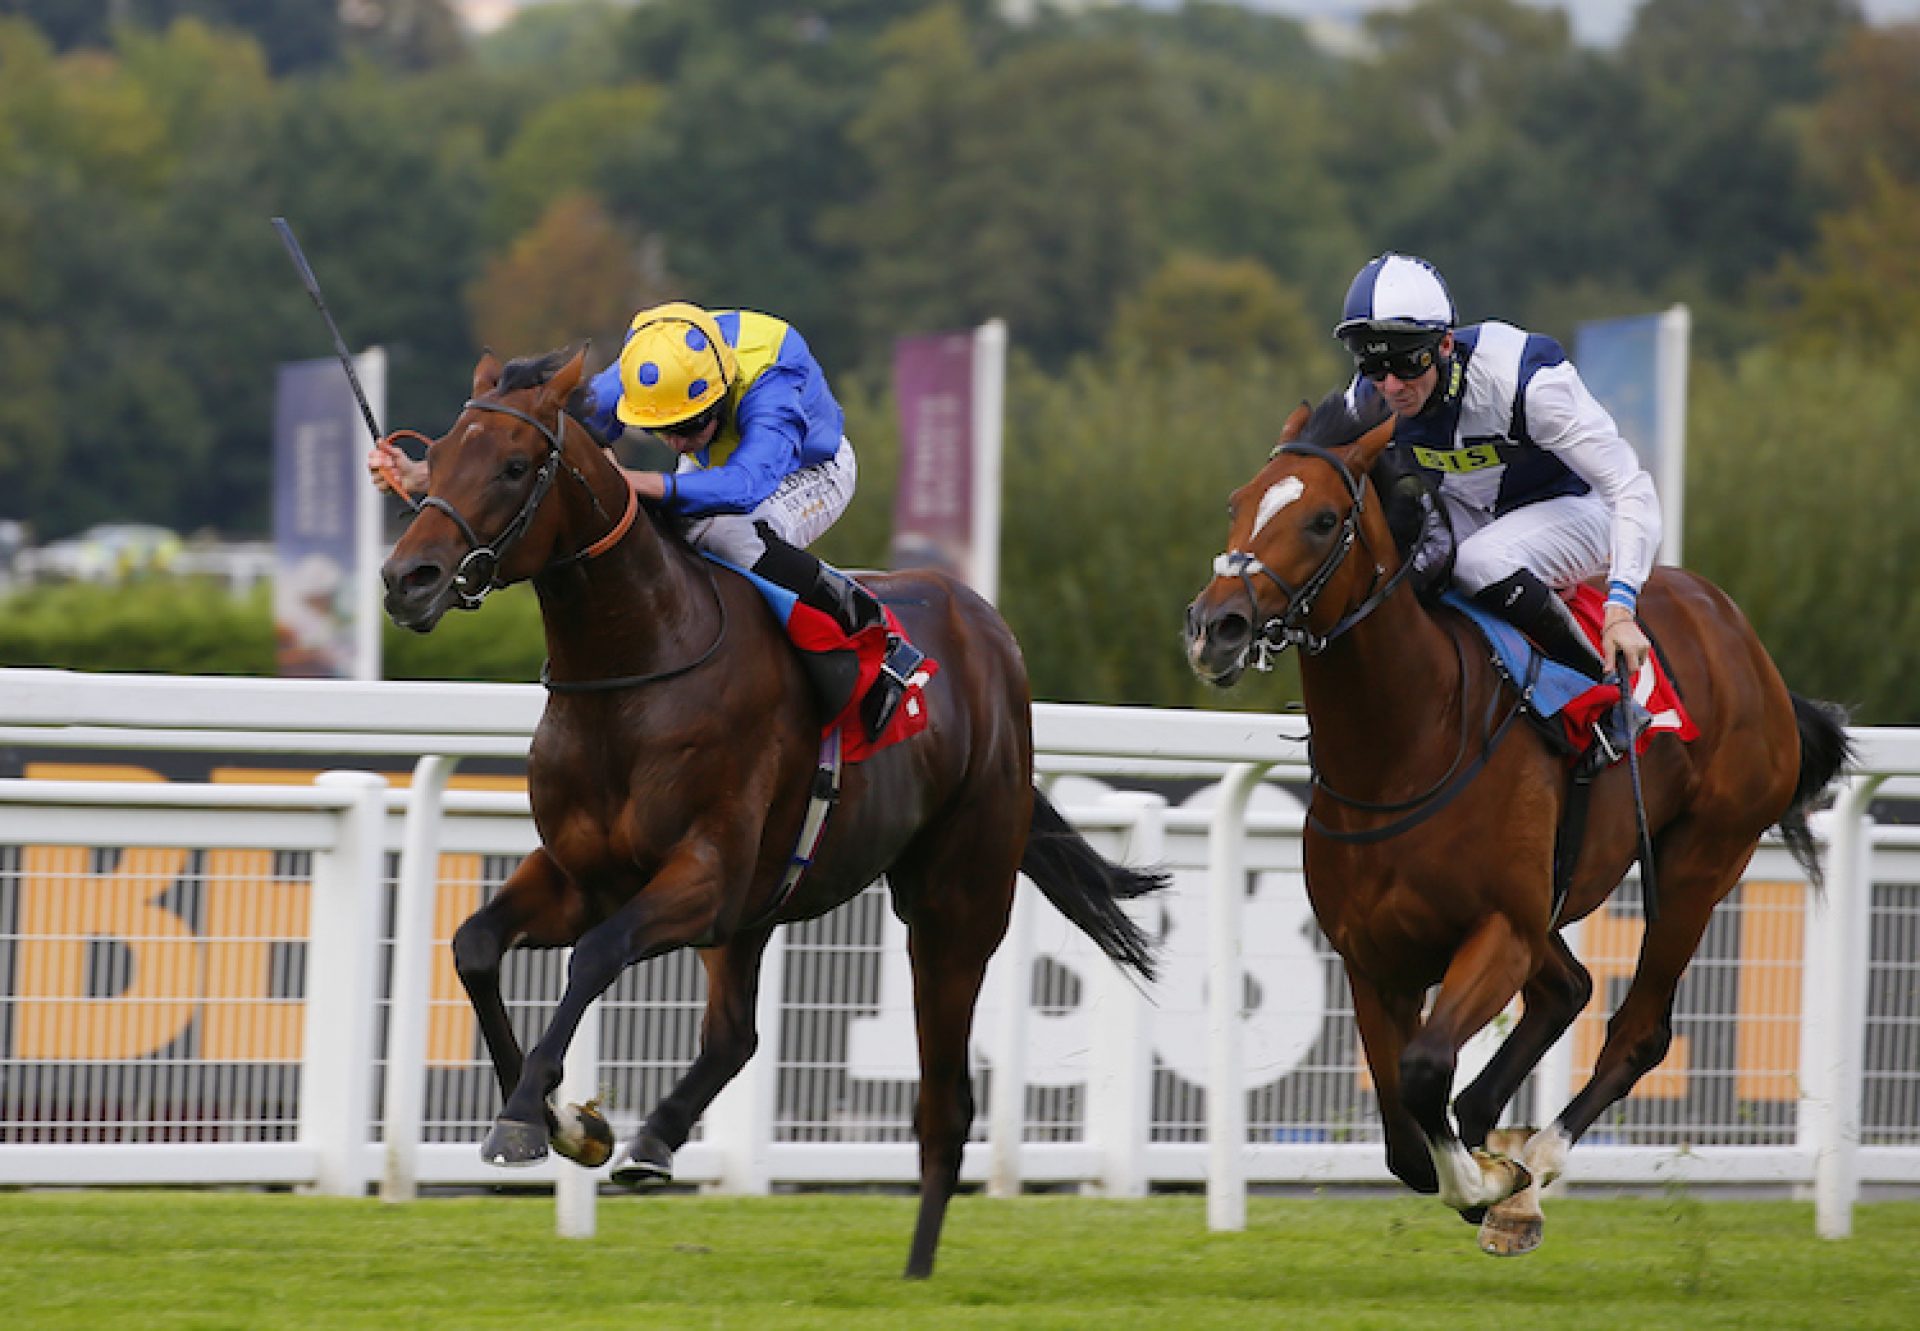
x=1595 y=21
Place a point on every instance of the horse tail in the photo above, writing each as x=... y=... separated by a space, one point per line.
x=1087 y=889
x=1825 y=752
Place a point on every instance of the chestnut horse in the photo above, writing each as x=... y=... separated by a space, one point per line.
x=1429 y=848
x=671 y=772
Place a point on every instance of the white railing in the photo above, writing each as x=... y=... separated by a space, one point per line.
x=165 y=1056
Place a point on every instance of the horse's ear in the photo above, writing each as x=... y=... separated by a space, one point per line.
x=487 y=373
x=1295 y=423
x=1363 y=452
x=560 y=385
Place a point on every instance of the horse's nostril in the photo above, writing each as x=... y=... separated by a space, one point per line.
x=1230 y=630
x=420 y=577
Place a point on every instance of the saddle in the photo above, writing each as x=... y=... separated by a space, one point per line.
x=1570 y=711
x=1564 y=704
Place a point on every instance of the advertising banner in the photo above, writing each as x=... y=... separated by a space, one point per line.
x=321 y=562
x=946 y=508
x=1637 y=368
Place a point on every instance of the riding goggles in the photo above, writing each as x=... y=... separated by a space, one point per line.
x=1402 y=365
x=691 y=426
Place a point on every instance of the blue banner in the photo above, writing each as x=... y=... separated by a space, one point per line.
x=317 y=449
x=1637 y=368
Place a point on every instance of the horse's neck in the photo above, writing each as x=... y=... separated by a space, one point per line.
x=1384 y=698
x=624 y=611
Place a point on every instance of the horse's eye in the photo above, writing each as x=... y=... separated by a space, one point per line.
x=1323 y=523
x=516 y=468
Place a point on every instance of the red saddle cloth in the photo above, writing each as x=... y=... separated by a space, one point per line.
x=814 y=631
x=1651 y=688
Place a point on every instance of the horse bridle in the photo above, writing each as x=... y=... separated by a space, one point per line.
x=477 y=575
x=1289 y=628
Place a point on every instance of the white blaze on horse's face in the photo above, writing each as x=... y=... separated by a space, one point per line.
x=1277 y=497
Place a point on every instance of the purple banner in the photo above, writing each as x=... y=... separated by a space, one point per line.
x=316 y=429
x=933 y=502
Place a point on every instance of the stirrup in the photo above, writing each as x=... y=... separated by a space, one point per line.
x=889 y=686
x=1615 y=729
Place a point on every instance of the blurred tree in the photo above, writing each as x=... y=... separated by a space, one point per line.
x=1034 y=188
x=570 y=143
x=404 y=34
x=293 y=34
x=1800 y=505
x=580 y=37
x=1231 y=311
x=574 y=276
x=1870 y=117
x=1856 y=293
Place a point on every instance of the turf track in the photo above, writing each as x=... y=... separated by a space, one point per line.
x=163 y=1260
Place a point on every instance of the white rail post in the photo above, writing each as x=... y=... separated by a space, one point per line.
x=414 y=898
x=1226 y=982
x=1007 y=1092
x=740 y=1119
x=576 y=1193
x=1120 y=1093
x=336 y=1066
x=1845 y=940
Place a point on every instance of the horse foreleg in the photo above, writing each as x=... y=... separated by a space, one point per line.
x=728 y=1038
x=536 y=904
x=1484 y=975
x=1553 y=998
x=1386 y=1021
x=673 y=910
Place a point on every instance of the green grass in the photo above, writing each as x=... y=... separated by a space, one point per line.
x=162 y=1261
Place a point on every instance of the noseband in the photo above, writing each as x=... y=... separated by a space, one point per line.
x=478 y=572
x=1289 y=628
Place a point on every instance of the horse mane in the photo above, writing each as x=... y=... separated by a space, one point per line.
x=1338 y=420
x=531 y=371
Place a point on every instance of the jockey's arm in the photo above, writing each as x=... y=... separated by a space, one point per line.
x=771 y=426
x=1566 y=420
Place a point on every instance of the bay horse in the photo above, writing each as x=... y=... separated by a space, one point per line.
x=1430 y=842
x=672 y=769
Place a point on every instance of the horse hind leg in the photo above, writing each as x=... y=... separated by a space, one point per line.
x=1696 y=870
x=951 y=935
x=728 y=1038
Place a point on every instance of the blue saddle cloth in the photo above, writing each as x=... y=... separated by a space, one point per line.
x=778 y=598
x=1553 y=688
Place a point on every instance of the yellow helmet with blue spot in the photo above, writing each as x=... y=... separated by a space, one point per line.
x=674 y=366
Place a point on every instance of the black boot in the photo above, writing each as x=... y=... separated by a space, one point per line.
x=834 y=674
x=1530 y=606
x=856 y=610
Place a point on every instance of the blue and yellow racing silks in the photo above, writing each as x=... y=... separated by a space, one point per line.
x=780 y=416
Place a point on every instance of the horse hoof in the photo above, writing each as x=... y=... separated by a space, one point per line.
x=1512 y=1175
x=514 y=1144
x=1509 y=1235
x=648 y=1163
x=581 y=1134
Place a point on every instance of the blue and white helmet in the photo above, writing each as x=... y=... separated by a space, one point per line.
x=1396 y=298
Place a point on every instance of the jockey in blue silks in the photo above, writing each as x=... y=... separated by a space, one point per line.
x=764 y=469
x=1539 y=487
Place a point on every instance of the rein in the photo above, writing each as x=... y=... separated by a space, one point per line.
x=1442 y=792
